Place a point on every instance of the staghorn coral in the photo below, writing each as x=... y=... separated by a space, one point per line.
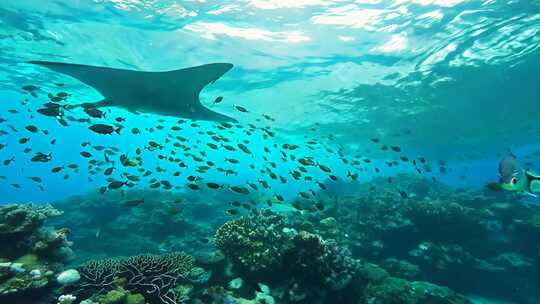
x=154 y=276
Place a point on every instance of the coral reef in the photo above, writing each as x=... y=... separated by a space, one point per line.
x=101 y=222
x=312 y=259
x=309 y=269
x=367 y=247
x=154 y=276
x=31 y=254
x=255 y=243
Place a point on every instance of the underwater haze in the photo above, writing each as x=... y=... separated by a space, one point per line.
x=269 y=151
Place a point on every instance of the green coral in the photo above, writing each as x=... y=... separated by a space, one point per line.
x=117 y=296
x=136 y=298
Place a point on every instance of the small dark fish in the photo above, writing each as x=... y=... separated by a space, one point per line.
x=108 y=171
x=116 y=184
x=57 y=169
x=8 y=161
x=31 y=128
x=267 y=117
x=239 y=189
x=325 y=168
x=134 y=203
x=104 y=129
x=264 y=184
x=375 y=140
x=192 y=178
x=395 y=149
x=41 y=157
x=194 y=187
x=53 y=105
x=51 y=112
x=218 y=99
x=24 y=140
x=102 y=189
x=403 y=194
x=86 y=154
x=95 y=113
x=241 y=109
x=36 y=179
x=244 y=148
x=62 y=121
x=306 y=162
x=213 y=185
x=30 y=88
x=321 y=185
x=231 y=211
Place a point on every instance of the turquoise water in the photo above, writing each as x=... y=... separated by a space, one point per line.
x=442 y=88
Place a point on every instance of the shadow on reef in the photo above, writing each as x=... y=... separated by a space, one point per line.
x=367 y=247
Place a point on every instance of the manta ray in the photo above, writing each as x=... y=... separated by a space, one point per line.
x=171 y=93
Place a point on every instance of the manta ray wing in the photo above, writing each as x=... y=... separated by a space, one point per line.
x=173 y=93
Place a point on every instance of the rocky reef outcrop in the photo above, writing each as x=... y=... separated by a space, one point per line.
x=31 y=253
x=303 y=267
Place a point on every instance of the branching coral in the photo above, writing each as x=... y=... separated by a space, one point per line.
x=154 y=276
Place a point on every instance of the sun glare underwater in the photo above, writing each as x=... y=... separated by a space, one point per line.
x=270 y=151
